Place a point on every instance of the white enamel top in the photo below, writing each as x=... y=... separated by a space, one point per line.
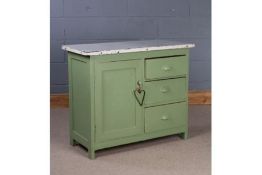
x=124 y=47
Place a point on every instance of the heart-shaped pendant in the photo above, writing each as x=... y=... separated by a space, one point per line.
x=139 y=93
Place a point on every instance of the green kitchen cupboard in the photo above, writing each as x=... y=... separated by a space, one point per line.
x=124 y=92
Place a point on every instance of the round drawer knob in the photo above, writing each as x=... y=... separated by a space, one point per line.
x=166 y=68
x=163 y=90
x=164 y=117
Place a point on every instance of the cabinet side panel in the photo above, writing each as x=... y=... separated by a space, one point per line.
x=80 y=104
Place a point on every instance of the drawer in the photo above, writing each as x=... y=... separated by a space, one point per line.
x=165 y=117
x=165 y=91
x=166 y=67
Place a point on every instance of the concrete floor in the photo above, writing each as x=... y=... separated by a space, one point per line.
x=162 y=156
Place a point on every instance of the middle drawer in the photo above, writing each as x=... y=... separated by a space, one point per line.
x=165 y=91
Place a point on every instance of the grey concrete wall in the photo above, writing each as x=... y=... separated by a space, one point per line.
x=89 y=21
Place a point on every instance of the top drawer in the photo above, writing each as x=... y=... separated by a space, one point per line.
x=166 y=67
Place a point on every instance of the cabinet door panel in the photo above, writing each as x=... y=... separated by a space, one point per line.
x=117 y=112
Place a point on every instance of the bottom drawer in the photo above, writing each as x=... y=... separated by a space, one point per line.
x=165 y=116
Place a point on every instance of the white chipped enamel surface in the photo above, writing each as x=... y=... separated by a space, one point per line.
x=124 y=47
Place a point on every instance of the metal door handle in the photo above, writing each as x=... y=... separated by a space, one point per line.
x=139 y=91
x=139 y=86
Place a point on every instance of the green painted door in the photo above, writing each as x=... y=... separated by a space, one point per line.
x=117 y=112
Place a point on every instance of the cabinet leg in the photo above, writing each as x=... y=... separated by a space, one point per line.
x=91 y=154
x=184 y=135
x=73 y=142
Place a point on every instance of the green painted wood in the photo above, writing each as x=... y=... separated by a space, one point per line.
x=117 y=112
x=165 y=117
x=103 y=109
x=80 y=101
x=184 y=135
x=166 y=67
x=91 y=143
x=165 y=91
x=141 y=137
x=70 y=84
x=81 y=96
